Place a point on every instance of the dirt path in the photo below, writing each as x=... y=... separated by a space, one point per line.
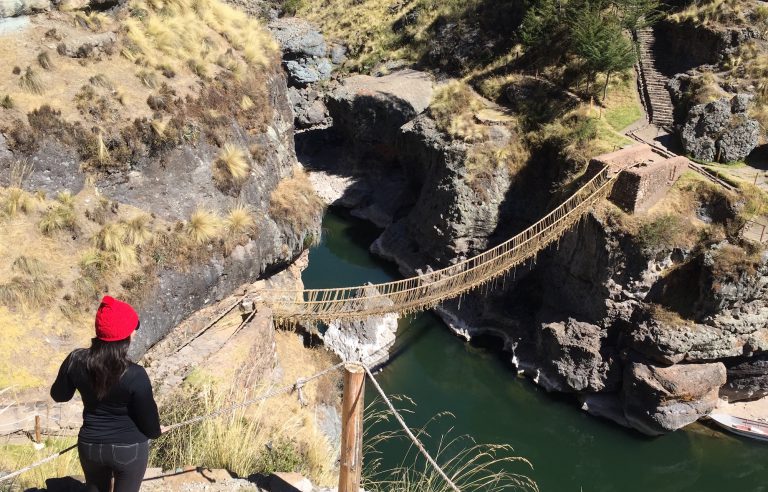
x=168 y=363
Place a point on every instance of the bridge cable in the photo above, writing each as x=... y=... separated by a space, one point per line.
x=407 y=430
x=278 y=391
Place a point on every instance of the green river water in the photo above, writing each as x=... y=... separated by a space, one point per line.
x=569 y=450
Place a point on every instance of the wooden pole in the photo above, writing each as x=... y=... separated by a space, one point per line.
x=37 y=429
x=351 y=461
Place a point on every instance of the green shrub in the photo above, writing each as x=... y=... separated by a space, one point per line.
x=660 y=233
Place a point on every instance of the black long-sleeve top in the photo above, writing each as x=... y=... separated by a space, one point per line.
x=127 y=415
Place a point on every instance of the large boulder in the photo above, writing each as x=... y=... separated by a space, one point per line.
x=12 y=8
x=670 y=342
x=305 y=52
x=572 y=358
x=369 y=111
x=298 y=37
x=308 y=107
x=663 y=399
x=87 y=45
x=366 y=340
x=720 y=130
x=747 y=380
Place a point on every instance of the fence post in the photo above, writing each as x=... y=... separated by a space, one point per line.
x=351 y=461
x=37 y=429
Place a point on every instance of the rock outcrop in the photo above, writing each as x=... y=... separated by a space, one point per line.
x=305 y=52
x=720 y=130
x=663 y=399
x=367 y=340
x=13 y=8
x=369 y=111
x=747 y=380
x=171 y=184
x=574 y=358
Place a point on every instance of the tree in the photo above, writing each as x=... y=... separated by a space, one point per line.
x=540 y=23
x=600 y=42
x=636 y=14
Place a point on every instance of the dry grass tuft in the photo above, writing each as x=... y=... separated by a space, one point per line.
x=231 y=167
x=159 y=127
x=246 y=103
x=203 y=226
x=15 y=456
x=58 y=218
x=66 y=198
x=454 y=107
x=95 y=21
x=731 y=263
x=6 y=102
x=27 y=266
x=94 y=261
x=162 y=35
x=17 y=200
x=198 y=67
x=112 y=238
x=44 y=60
x=30 y=287
x=137 y=231
x=664 y=232
x=239 y=220
x=148 y=78
x=102 y=153
x=30 y=81
x=471 y=465
x=101 y=80
x=295 y=203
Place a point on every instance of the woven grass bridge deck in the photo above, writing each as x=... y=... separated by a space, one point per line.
x=426 y=291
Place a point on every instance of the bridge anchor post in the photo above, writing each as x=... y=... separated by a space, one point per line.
x=353 y=403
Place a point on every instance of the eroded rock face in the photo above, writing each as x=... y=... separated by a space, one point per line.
x=369 y=111
x=574 y=358
x=663 y=399
x=305 y=52
x=12 y=8
x=367 y=340
x=671 y=343
x=747 y=380
x=727 y=310
x=720 y=130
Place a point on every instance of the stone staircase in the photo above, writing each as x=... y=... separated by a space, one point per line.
x=658 y=102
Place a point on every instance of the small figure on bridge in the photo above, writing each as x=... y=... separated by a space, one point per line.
x=120 y=414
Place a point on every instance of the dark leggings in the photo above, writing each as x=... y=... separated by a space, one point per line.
x=125 y=462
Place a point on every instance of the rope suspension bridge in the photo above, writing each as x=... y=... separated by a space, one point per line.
x=428 y=290
x=403 y=296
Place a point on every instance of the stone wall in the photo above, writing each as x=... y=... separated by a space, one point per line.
x=638 y=189
x=645 y=176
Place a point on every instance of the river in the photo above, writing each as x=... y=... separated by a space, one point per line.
x=568 y=449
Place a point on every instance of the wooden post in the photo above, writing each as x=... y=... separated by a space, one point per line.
x=37 y=429
x=351 y=461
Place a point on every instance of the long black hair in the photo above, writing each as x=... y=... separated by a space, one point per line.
x=105 y=364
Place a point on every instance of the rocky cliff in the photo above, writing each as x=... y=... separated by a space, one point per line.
x=641 y=332
x=181 y=183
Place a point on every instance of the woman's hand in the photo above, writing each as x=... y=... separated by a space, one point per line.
x=164 y=429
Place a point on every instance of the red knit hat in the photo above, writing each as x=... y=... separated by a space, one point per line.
x=115 y=320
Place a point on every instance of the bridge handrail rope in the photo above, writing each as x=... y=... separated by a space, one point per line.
x=424 y=291
x=275 y=392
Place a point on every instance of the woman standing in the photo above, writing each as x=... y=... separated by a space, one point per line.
x=120 y=414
